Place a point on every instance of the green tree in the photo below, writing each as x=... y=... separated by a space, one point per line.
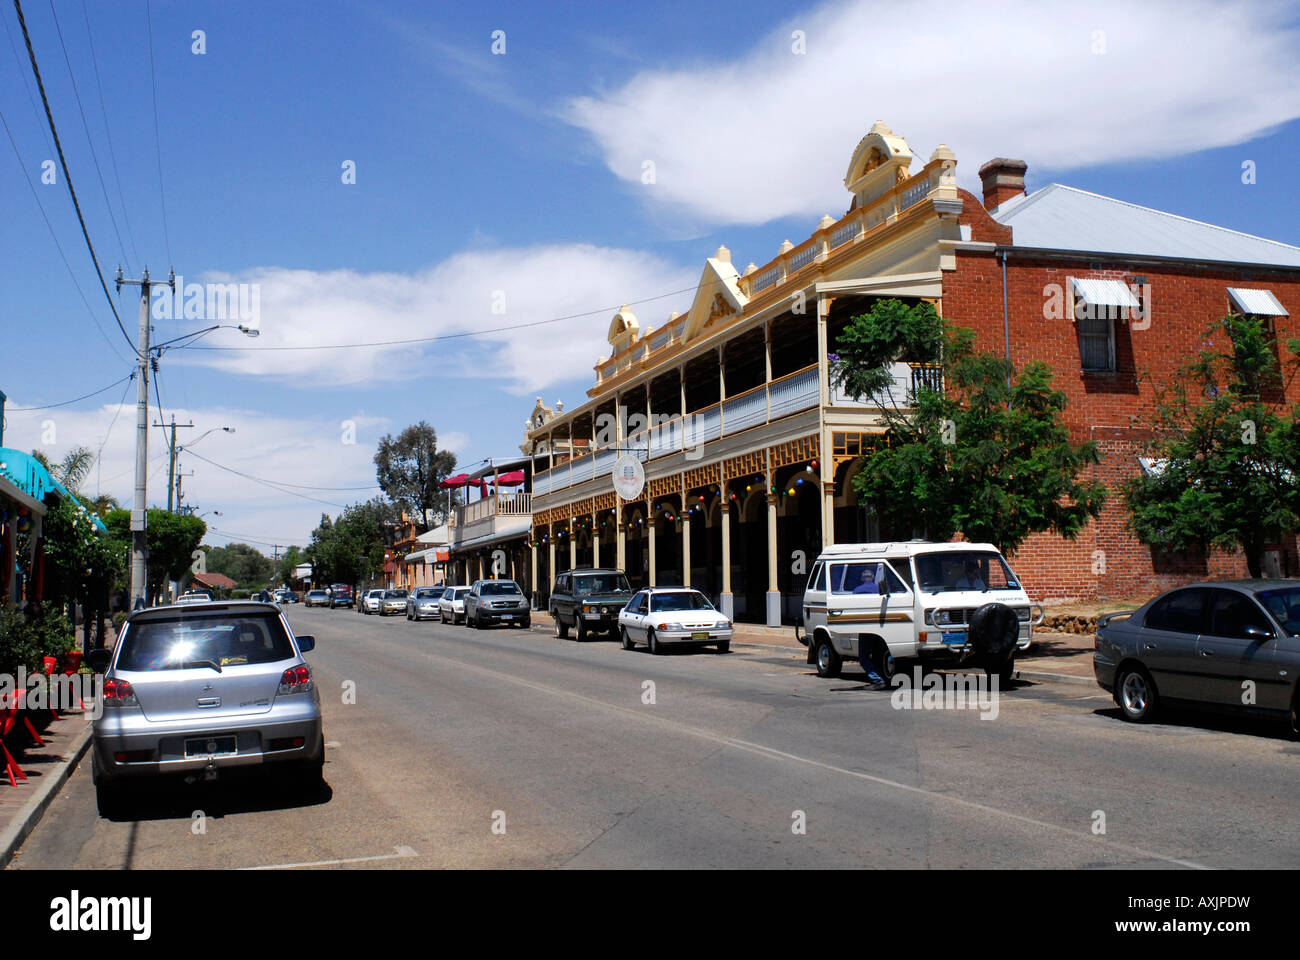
x=338 y=546
x=284 y=569
x=1226 y=446
x=246 y=565
x=409 y=469
x=171 y=540
x=984 y=453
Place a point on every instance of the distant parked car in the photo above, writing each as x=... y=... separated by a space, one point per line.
x=394 y=601
x=194 y=596
x=496 y=601
x=370 y=600
x=423 y=602
x=589 y=600
x=340 y=595
x=317 y=598
x=658 y=616
x=451 y=606
x=1226 y=645
x=287 y=596
x=204 y=690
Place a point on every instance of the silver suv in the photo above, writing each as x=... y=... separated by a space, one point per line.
x=200 y=690
x=497 y=601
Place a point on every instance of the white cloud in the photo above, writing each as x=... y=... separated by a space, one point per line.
x=770 y=134
x=472 y=291
x=287 y=450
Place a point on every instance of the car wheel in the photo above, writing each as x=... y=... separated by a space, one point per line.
x=656 y=648
x=724 y=646
x=528 y=623
x=885 y=662
x=1135 y=694
x=1006 y=674
x=581 y=633
x=561 y=628
x=441 y=618
x=628 y=642
x=828 y=661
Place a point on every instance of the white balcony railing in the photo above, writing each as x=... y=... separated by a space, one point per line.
x=798 y=391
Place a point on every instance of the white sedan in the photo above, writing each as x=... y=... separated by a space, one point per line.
x=658 y=616
x=452 y=605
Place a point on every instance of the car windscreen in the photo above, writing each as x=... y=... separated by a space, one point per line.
x=672 y=602
x=1284 y=604
x=395 y=595
x=601 y=583
x=505 y=589
x=427 y=593
x=316 y=593
x=204 y=639
x=964 y=570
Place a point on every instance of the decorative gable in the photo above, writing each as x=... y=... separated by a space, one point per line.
x=880 y=161
x=717 y=296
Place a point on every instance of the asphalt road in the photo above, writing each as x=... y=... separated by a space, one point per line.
x=511 y=748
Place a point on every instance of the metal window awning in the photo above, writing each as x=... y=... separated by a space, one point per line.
x=1257 y=303
x=1152 y=466
x=1104 y=293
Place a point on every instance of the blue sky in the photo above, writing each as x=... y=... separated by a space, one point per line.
x=521 y=173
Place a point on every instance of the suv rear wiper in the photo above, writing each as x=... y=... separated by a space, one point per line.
x=204 y=663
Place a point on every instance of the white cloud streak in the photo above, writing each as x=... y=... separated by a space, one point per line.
x=769 y=134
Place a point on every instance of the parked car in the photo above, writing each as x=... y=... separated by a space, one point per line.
x=913 y=600
x=201 y=691
x=286 y=596
x=317 y=598
x=496 y=601
x=340 y=595
x=194 y=596
x=423 y=602
x=393 y=601
x=451 y=606
x=1226 y=645
x=657 y=616
x=370 y=600
x=589 y=600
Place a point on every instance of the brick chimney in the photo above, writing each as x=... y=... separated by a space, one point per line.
x=1002 y=179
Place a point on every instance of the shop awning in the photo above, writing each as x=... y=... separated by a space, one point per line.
x=1104 y=293
x=1257 y=303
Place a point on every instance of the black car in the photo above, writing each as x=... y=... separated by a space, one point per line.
x=589 y=600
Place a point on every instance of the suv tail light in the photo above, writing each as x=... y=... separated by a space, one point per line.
x=296 y=679
x=118 y=693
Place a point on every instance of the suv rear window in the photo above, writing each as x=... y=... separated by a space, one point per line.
x=203 y=639
x=601 y=583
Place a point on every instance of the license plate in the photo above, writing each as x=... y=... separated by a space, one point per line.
x=700 y=636
x=210 y=746
x=507 y=616
x=955 y=637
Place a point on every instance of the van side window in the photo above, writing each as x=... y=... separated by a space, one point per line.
x=815 y=579
x=866 y=576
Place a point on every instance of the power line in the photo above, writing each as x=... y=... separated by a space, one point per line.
x=90 y=142
x=459 y=336
x=64 y=403
x=67 y=176
x=267 y=483
x=53 y=236
x=99 y=457
x=108 y=134
x=240 y=538
x=157 y=139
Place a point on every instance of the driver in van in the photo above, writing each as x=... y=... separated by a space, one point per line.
x=970 y=577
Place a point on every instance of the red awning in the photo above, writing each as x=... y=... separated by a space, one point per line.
x=512 y=479
x=463 y=480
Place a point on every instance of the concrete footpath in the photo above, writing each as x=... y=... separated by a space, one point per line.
x=48 y=768
x=1058 y=657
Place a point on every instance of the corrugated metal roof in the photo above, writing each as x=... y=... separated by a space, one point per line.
x=1257 y=303
x=1104 y=293
x=1063 y=218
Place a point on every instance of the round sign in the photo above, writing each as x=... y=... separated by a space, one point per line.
x=629 y=477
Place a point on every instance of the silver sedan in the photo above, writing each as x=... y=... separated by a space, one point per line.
x=203 y=689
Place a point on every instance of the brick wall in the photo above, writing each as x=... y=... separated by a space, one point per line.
x=1106 y=560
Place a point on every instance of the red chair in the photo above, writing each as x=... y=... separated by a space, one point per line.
x=20 y=697
x=8 y=720
x=71 y=667
x=50 y=665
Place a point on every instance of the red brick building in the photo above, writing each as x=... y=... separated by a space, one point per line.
x=1039 y=254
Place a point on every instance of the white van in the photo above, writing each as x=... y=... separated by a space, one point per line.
x=906 y=600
